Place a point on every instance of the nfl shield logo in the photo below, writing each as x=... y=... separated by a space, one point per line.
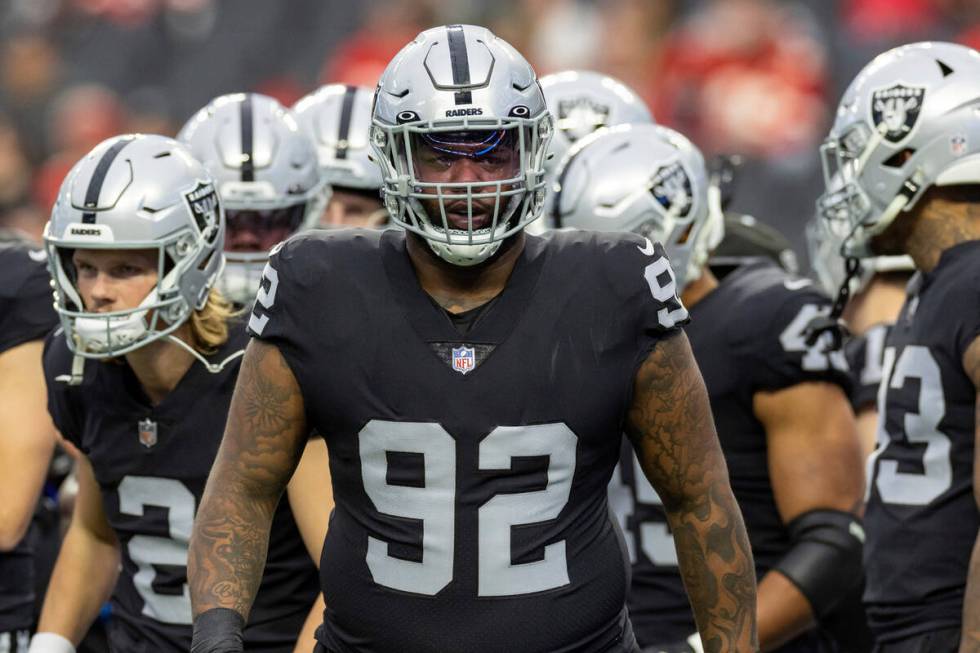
x=897 y=107
x=147 y=433
x=464 y=359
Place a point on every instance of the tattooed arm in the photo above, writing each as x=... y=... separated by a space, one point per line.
x=263 y=442
x=970 y=639
x=671 y=428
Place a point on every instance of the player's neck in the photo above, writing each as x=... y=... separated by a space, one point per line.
x=938 y=227
x=160 y=365
x=699 y=288
x=879 y=303
x=457 y=288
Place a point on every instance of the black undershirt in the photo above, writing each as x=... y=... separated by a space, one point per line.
x=464 y=321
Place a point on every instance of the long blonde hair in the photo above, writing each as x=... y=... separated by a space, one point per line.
x=209 y=326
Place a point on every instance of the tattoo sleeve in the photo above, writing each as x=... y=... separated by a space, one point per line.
x=970 y=638
x=672 y=430
x=262 y=444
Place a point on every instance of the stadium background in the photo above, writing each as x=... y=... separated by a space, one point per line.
x=752 y=77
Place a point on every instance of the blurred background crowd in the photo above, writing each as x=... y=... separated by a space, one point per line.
x=757 y=78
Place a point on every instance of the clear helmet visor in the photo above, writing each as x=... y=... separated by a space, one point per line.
x=466 y=183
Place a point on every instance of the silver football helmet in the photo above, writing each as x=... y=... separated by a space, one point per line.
x=646 y=179
x=461 y=130
x=827 y=260
x=908 y=121
x=582 y=101
x=338 y=120
x=136 y=192
x=267 y=176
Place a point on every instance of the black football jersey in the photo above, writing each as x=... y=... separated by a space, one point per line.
x=865 y=356
x=922 y=520
x=26 y=314
x=469 y=471
x=747 y=336
x=151 y=463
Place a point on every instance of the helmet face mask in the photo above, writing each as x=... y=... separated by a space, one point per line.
x=464 y=179
x=467 y=188
x=154 y=197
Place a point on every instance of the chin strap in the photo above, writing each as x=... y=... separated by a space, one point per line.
x=213 y=368
x=77 y=372
x=831 y=323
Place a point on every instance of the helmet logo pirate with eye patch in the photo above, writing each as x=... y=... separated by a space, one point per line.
x=580 y=116
x=897 y=107
x=671 y=187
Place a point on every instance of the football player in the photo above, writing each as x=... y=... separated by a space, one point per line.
x=27 y=437
x=338 y=120
x=783 y=417
x=139 y=379
x=902 y=167
x=877 y=292
x=581 y=102
x=267 y=176
x=472 y=384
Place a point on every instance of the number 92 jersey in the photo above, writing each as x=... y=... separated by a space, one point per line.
x=921 y=521
x=469 y=471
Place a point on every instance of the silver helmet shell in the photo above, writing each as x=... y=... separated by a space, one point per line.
x=136 y=192
x=582 y=101
x=453 y=80
x=261 y=162
x=647 y=179
x=338 y=120
x=907 y=122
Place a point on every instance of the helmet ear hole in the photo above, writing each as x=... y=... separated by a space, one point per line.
x=899 y=159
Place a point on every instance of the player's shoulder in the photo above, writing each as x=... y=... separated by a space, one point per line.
x=309 y=255
x=956 y=276
x=619 y=260
x=23 y=267
x=764 y=284
x=762 y=300
x=582 y=243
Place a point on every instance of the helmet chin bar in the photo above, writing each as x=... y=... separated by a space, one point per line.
x=240 y=280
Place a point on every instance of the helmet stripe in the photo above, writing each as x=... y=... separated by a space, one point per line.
x=343 y=131
x=460 y=62
x=98 y=178
x=248 y=167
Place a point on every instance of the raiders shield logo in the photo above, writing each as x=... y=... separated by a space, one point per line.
x=672 y=188
x=578 y=117
x=897 y=107
x=203 y=203
x=147 y=433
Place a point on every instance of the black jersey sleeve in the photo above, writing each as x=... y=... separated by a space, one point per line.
x=57 y=365
x=278 y=312
x=773 y=338
x=26 y=304
x=642 y=279
x=865 y=357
